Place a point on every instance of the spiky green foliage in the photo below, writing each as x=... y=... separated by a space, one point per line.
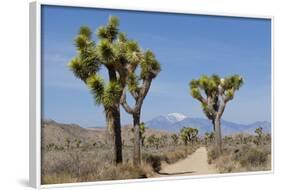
x=114 y=51
x=150 y=67
x=142 y=127
x=96 y=85
x=111 y=94
x=85 y=63
x=133 y=82
x=214 y=91
x=109 y=31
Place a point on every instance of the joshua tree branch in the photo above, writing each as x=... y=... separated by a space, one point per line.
x=143 y=92
x=124 y=103
x=221 y=109
x=201 y=99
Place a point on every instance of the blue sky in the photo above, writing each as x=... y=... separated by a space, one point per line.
x=187 y=46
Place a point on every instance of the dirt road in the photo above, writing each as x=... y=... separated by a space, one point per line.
x=194 y=164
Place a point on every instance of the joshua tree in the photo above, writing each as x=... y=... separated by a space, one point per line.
x=259 y=133
x=218 y=92
x=163 y=140
x=240 y=137
x=150 y=140
x=154 y=141
x=138 y=87
x=175 y=138
x=188 y=134
x=228 y=139
x=207 y=138
x=142 y=131
x=78 y=143
x=116 y=54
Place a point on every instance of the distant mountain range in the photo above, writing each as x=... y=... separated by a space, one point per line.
x=173 y=122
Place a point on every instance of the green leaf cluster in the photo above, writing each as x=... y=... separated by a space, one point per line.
x=150 y=67
x=110 y=31
x=214 y=92
x=205 y=83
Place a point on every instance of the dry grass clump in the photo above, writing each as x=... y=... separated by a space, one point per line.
x=237 y=157
x=80 y=166
x=252 y=158
x=153 y=160
x=122 y=171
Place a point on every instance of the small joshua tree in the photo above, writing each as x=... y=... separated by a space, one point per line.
x=259 y=133
x=142 y=131
x=175 y=138
x=150 y=140
x=209 y=137
x=67 y=141
x=163 y=140
x=153 y=140
x=78 y=143
x=206 y=138
x=188 y=134
x=214 y=93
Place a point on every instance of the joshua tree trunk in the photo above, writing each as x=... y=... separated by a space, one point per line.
x=217 y=127
x=137 y=140
x=114 y=125
x=114 y=133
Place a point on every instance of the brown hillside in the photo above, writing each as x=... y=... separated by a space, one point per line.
x=57 y=133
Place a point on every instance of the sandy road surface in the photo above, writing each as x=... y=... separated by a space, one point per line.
x=194 y=164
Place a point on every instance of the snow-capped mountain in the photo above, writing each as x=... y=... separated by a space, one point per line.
x=175 y=117
x=175 y=121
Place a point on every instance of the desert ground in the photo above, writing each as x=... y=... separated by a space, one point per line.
x=71 y=153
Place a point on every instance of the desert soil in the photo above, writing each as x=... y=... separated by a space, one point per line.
x=194 y=164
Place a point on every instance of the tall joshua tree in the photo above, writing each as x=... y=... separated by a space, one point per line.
x=217 y=93
x=115 y=53
x=138 y=86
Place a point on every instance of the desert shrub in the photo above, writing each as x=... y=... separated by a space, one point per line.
x=253 y=157
x=50 y=147
x=241 y=158
x=53 y=147
x=225 y=165
x=122 y=171
x=153 y=160
x=212 y=154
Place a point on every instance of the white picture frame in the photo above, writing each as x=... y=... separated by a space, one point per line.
x=35 y=90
